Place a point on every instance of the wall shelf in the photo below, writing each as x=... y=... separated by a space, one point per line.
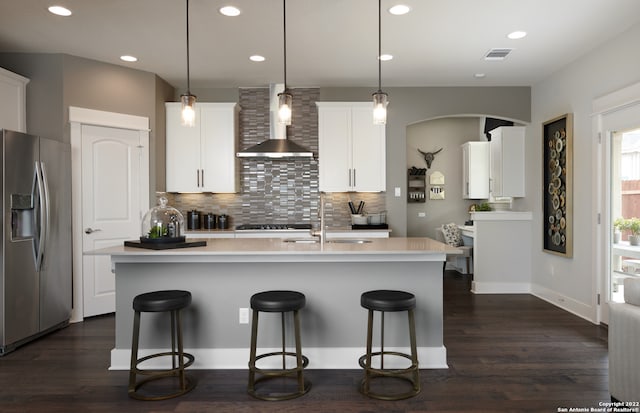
x=416 y=185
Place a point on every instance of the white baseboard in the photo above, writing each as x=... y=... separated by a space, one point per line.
x=319 y=358
x=566 y=303
x=500 y=288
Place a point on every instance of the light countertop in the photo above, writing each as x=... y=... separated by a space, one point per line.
x=276 y=250
x=502 y=216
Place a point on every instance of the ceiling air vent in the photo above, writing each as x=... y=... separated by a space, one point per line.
x=497 y=54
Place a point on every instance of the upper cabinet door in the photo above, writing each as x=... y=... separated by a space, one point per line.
x=13 y=101
x=334 y=148
x=507 y=161
x=202 y=158
x=475 y=170
x=183 y=152
x=218 y=132
x=368 y=150
x=352 y=151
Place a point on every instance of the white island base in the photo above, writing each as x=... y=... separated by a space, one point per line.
x=223 y=275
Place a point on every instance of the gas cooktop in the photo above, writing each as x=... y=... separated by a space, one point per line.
x=273 y=227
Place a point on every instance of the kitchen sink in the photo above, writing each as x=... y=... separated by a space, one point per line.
x=335 y=240
x=301 y=240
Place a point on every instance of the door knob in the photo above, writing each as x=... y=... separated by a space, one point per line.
x=90 y=230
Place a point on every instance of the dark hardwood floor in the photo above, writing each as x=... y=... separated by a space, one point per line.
x=506 y=353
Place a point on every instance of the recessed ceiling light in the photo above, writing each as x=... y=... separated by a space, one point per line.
x=230 y=11
x=257 y=58
x=128 y=58
x=516 y=35
x=60 y=11
x=479 y=75
x=386 y=57
x=399 y=9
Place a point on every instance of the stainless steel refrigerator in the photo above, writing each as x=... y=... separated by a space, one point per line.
x=35 y=284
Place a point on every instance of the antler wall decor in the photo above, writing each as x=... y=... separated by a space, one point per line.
x=429 y=156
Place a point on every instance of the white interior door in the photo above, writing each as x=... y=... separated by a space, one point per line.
x=114 y=197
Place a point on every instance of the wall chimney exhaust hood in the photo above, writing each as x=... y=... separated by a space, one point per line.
x=278 y=146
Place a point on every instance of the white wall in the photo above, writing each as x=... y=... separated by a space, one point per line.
x=571 y=283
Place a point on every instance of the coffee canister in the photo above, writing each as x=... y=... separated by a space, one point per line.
x=210 y=221
x=193 y=219
x=223 y=221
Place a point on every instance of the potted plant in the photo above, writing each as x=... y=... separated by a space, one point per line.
x=634 y=228
x=618 y=225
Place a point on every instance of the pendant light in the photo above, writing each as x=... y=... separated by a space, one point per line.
x=380 y=101
x=188 y=100
x=285 y=99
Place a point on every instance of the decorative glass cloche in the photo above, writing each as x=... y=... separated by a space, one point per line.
x=162 y=223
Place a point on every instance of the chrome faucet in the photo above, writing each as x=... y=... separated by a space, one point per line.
x=322 y=232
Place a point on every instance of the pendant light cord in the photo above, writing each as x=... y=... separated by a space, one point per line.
x=379 y=46
x=188 y=68
x=284 y=26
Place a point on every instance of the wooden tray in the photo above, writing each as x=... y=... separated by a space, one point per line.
x=165 y=246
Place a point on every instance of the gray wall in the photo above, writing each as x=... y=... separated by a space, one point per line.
x=59 y=81
x=44 y=91
x=448 y=134
x=408 y=105
x=609 y=67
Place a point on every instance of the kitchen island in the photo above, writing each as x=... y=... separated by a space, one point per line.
x=223 y=275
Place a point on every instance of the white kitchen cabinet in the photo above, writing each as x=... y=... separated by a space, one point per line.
x=202 y=158
x=351 y=149
x=506 y=171
x=475 y=170
x=13 y=101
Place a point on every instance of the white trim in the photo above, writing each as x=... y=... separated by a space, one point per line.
x=319 y=358
x=603 y=107
x=77 y=118
x=108 y=119
x=478 y=287
x=569 y=304
x=620 y=99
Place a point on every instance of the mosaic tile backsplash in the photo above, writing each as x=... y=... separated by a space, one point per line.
x=278 y=190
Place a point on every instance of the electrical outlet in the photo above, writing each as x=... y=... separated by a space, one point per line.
x=243 y=314
x=422 y=214
x=397 y=191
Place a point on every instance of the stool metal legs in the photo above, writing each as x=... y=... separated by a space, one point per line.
x=410 y=374
x=303 y=385
x=186 y=384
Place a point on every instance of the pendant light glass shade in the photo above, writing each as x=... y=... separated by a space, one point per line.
x=188 y=100
x=285 y=100
x=188 y=109
x=380 y=103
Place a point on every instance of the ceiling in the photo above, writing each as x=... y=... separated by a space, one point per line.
x=329 y=42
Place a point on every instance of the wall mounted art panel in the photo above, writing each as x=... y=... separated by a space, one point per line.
x=557 y=137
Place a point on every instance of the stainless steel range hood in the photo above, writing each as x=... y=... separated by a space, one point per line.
x=277 y=146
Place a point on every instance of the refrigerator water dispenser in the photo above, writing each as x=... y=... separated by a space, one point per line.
x=23 y=224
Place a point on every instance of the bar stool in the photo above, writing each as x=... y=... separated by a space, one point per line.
x=161 y=301
x=277 y=302
x=388 y=301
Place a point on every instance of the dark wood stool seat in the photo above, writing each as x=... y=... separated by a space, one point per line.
x=389 y=301
x=277 y=302
x=161 y=301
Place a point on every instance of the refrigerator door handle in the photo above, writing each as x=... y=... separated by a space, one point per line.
x=41 y=224
x=47 y=214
